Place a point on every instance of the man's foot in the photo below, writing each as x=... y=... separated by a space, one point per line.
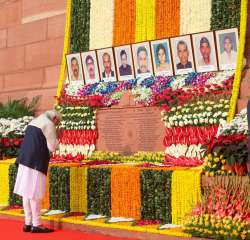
x=41 y=229
x=27 y=228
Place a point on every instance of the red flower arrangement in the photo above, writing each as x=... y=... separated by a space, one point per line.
x=182 y=161
x=170 y=97
x=190 y=135
x=78 y=137
x=91 y=100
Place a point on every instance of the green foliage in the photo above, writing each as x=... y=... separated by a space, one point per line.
x=59 y=180
x=80 y=25
x=234 y=153
x=18 y=108
x=225 y=14
x=14 y=199
x=156 y=195
x=99 y=191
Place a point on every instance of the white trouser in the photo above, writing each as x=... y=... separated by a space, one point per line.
x=32 y=211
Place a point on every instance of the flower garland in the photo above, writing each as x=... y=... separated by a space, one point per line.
x=65 y=49
x=77 y=134
x=190 y=151
x=190 y=135
x=156 y=195
x=145 y=20
x=125 y=192
x=79 y=37
x=77 y=118
x=197 y=114
x=101 y=35
x=139 y=157
x=225 y=14
x=46 y=201
x=173 y=98
x=149 y=91
x=78 y=189
x=99 y=189
x=59 y=182
x=240 y=56
x=124 y=22
x=14 y=199
x=167 y=22
x=195 y=16
x=4 y=183
x=186 y=193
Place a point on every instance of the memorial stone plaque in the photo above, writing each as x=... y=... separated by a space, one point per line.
x=129 y=130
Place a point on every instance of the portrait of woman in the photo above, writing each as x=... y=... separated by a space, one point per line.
x=162 y=57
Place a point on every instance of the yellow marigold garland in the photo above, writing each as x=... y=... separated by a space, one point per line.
x=145 y=20
x=240 y=57
x=4 y=184
x=78 y=189
x=186 y=193
x=125 y=192
x=65 y=48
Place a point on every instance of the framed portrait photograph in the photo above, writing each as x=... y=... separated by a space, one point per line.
x=142 y=59
x=124 y=62
x=106 y=64
x=227 y=46
x=162 y=61
x=90 y=67
x=204 y=52
x=74 y=66
x=182 y=54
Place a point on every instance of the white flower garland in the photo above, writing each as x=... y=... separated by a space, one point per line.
x=199 y=113
x=65 y=149
x=190 y=151
x=195 y=16
x=101 y=23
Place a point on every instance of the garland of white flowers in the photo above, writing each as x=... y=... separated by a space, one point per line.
x=190 y=151
x=74 y=149
x=196 y=114
x=195 y=16
x=101 y=23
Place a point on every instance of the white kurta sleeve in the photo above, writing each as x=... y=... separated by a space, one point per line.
x=52 y=147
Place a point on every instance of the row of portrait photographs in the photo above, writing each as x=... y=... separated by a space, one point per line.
x=200 y=52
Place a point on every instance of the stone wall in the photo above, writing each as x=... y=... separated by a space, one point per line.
x=31 y=44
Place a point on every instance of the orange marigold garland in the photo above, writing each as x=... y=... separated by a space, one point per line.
x=45 y=202
x=167 y=22
x=124 y=22
x=125 y=192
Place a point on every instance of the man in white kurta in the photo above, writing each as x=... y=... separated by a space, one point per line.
x=40 y=139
